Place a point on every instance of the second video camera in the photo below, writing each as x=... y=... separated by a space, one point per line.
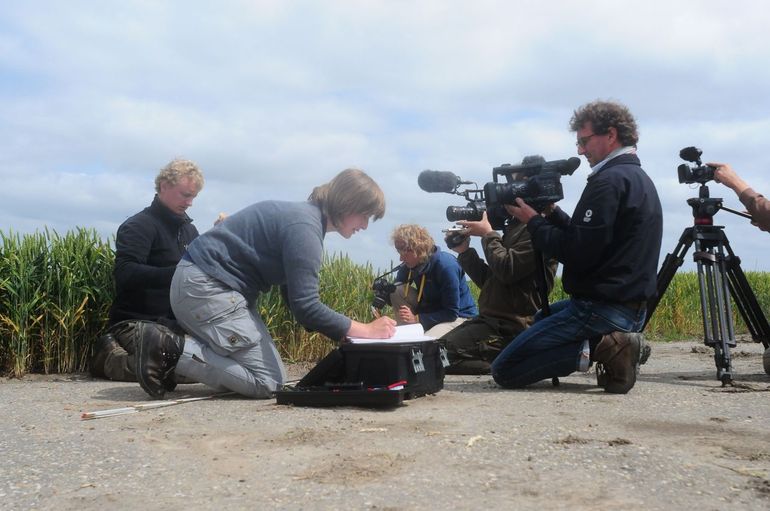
x=697 y=174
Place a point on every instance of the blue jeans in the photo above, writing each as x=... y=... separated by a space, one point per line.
x=551 y=346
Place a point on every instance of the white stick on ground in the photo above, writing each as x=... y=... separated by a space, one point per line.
x=146 y=406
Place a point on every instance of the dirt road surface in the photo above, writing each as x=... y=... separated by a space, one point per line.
x=678 y=440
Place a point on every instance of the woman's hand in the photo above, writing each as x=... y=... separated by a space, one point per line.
x=383 y=327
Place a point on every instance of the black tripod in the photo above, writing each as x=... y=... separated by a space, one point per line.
x=719 y=272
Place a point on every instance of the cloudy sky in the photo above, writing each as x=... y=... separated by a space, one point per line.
x=271 y=98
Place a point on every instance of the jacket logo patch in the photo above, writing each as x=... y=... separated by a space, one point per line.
x=588 y=214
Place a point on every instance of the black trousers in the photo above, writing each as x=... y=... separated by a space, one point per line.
x=473 y=346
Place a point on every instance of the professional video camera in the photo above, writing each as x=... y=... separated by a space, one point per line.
x=536 y=181
x=382 y=289
x=699 y=173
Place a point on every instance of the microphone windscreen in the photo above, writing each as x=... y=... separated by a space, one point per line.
x=437 y=181
x=690 y=154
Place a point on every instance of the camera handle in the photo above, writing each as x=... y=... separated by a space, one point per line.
x=735 y=212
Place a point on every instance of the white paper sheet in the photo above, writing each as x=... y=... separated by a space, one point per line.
x=404 y=333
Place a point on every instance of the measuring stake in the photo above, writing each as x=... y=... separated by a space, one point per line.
x=145 y=406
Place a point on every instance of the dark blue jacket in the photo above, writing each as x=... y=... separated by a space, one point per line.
x=610 y=246
x=148 y=247
x=446 y=295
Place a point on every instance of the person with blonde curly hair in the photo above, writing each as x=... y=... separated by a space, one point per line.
x=223 y=273
x=433 y=289
x=148 y=247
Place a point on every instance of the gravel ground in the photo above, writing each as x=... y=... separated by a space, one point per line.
x=677 y=440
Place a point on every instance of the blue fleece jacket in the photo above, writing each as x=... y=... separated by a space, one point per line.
x=445 y=295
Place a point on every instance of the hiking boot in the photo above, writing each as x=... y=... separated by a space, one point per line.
x=157 y=351
x=618 y=355
x=103 y=346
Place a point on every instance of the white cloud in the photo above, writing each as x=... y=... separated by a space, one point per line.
x=272 y=98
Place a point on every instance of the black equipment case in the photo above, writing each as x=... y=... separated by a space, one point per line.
x=381 y=373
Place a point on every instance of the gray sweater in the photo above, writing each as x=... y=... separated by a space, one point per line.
x=272 y=243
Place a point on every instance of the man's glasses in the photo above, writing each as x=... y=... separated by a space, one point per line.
x=582 y=141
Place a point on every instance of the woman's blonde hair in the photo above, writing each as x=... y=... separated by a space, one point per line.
x=415 y=238
x=176 y=170
x=351 y=192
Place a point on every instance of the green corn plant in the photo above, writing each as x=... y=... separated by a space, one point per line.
x=79 y=277
x=54 y=296
x=23 y=266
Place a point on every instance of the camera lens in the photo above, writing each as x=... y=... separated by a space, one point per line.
x=471 y=213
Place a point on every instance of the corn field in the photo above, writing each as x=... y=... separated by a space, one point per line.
x=56 y=290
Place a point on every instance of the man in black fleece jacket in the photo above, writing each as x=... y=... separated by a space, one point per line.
x=148 y=247
x=609 y=249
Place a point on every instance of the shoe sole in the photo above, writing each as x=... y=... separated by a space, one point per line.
x=645 y=353
x=141 y=349
x=601 y=375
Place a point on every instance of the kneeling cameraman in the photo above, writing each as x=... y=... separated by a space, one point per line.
x=508 y=297
x=609 y=248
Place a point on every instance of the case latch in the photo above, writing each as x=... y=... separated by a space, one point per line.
x=444 y=356
x=417 y=363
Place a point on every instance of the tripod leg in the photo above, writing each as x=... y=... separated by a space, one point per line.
x=715 y=307
x=668 y=269
x=746 y=300
x=722 y=356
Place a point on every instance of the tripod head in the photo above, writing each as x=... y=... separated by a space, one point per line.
x=705 y=207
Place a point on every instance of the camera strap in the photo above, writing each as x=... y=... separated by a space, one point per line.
x=421 y=287
x=541 y=282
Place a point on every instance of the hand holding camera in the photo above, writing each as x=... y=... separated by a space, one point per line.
x=457 y=238
x=724 y=173
x=477 y=227
x=521 y=211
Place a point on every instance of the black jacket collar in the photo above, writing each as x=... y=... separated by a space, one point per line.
x=161 y=211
